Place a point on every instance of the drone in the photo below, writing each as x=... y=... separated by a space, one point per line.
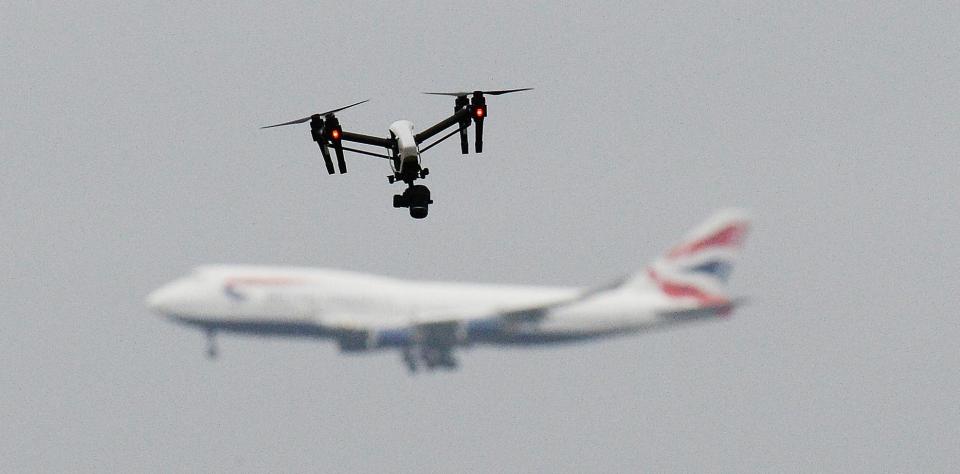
x=403 y=145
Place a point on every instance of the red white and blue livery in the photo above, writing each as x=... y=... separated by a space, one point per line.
x=428 y=321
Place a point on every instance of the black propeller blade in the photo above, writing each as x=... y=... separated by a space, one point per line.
x=302 y=120
x=345 y=107
x=288 y=123
x=498 y=92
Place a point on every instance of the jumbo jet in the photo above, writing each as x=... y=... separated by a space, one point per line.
x=427 y=321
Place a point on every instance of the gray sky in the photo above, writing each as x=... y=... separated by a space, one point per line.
x=131 y=153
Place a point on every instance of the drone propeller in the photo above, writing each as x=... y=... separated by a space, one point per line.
x=293 y=122
x=323 y=128
x=499 y=92
x=478 y=111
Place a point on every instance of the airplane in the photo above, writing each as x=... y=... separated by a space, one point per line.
x=428 y=321
x=403 y=145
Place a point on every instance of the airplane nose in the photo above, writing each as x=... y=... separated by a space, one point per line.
x=155 y=300
x=162 y=299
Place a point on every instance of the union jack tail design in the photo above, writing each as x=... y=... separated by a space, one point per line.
x=696 y=270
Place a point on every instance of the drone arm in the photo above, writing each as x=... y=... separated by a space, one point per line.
x=366 y=139
x=368 y=153
x=338 y=136
x=459 y=130
x=461 y=115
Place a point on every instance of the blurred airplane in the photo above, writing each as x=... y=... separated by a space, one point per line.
x=427 y=321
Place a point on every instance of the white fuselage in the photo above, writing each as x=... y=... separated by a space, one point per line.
x=427 y=320
x=319 y=302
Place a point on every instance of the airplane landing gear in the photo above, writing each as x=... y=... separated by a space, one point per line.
x=416 y=198
x=211 y=344
x=436 y=358
x=432 y=358
x=410 y=359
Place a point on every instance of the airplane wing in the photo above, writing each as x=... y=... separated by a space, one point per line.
x=520 y=313
x=443 y=331
x=437 y=334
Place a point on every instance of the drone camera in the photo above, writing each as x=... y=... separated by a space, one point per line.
x=416 y=198
x=418 y=212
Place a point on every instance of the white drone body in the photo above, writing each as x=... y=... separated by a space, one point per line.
x=408 y=151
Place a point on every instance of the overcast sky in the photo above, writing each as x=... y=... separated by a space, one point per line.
x=131 y=152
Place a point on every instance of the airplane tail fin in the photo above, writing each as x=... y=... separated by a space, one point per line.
x=696 y=270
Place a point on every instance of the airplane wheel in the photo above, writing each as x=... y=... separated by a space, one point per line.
x=410 y=360
x=431 y=357
x=211 y=344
